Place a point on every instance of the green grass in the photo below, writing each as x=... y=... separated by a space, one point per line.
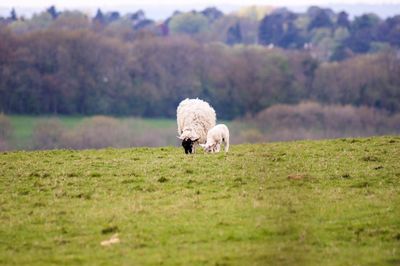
x=334 y=202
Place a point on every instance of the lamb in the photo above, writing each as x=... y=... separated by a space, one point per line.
x=215 y=136
x=194 y=118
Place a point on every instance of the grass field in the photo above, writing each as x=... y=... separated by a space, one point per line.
x=334 y=202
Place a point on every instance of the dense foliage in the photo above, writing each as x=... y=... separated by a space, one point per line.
x=68 y=63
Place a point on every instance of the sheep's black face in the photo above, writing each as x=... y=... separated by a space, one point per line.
x=187 y=144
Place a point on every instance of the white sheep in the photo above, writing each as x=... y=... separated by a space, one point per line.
x=194 y=117
x=215 y=137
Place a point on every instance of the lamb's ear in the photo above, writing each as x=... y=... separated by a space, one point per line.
x=180 y=137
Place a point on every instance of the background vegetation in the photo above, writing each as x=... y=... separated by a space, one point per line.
x=249 y=65
x=69 y=63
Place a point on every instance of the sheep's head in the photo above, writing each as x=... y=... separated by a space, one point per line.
x=188 y=144
x=208 y=148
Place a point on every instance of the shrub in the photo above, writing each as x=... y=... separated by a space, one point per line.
x=6 y=131
x=311 y=120
x=251 y=135
x=101 y=131
x=98 y=132
x=5 y=127
x=4 y=146
x=48 y=134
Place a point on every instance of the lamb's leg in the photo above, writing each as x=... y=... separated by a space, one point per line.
x=217 y=147
x=213 y=148
x=226 y=140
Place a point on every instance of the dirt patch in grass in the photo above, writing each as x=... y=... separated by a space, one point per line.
x=298 y=176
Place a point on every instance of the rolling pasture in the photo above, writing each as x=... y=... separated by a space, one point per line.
x=331 y=202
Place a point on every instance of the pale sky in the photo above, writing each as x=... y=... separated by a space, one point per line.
x=82 y=3
x=157 y=9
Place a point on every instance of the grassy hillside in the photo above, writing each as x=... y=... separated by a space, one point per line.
x=333 y=202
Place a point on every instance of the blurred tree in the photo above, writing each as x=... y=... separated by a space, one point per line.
x=165 y=71
x=218 y=30
x=71 y=20
x=130 y=66
x=8 y=44
x=341 y=52
x=188 y=23
x=320 y=18
x=138 y=15
x=99 y=17
x=369 y=80
x=53 y=12
x=13 y=15
x=234 y=35
x=249 y=31
x=142 y=24
x=212 y=14
x=389 y=31
x=112 y=16
x=343 y=20
x=279 y=28
x=363 y=31
x=271 y=29
x=121 y=29
x=256 y=13
x=38 y=22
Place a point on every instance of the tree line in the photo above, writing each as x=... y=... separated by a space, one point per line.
x=329 y=35
x=67 y=63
